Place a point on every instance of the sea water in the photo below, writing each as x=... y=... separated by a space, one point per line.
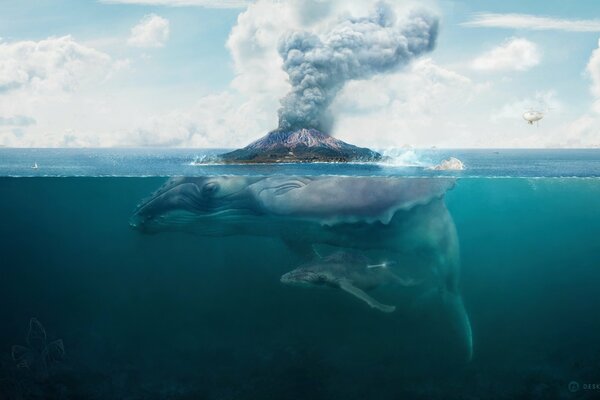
x=183 y=316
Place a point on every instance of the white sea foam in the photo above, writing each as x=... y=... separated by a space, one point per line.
x=403 y=157
x=450 y=164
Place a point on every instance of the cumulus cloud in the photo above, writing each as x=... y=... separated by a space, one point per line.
x=593 y=69
x=17 y=120
x=533 y=22
x=184 y=3
x=123 y=117
x=422 y=106
x=51 y=64
x=45 y=84
x=151 y=31
x=214 y=121
x=259 y=76
x=516 y=54
x=583 y=132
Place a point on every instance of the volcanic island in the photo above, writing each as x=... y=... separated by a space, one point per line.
x=299 y=146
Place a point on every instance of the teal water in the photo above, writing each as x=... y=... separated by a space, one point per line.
x=69 y=162
x=181 y=316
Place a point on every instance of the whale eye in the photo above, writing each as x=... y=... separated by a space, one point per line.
x=210 y=188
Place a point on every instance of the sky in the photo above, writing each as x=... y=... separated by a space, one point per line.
x=210 y=73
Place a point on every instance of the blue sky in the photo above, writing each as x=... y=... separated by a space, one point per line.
x=206 y=73
x=565 y=54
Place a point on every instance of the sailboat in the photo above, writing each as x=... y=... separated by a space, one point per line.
x=35 y=166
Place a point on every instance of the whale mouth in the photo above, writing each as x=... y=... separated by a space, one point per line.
x=207 y=224
x=288 y=278
x=150 y=223
x=192 y=204
x=300 y=278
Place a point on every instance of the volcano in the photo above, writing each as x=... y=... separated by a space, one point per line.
x=302 y=145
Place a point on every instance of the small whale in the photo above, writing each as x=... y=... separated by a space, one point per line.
x=351 y=272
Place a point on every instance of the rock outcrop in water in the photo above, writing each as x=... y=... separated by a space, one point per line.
x=302 y=145
x=451 y=164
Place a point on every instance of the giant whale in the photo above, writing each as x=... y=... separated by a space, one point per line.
x=404 y=220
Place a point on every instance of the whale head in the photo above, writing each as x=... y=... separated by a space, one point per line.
x=203 y=205
x=310 y=276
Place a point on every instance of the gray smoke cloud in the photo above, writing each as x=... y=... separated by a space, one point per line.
x=357 y=48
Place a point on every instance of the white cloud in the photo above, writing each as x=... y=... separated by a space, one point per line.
x=422 y=106
x=516 y=54
x=593 y=69
x=248 y=108
x=184 y=3
x=49 y=65
x=214 y=121
x=151 y=31
x=533 y=22
x=584 y=131
x=17 y=120
x=48 y=82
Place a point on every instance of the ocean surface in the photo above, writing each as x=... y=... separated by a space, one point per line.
x=111 y=288
x=198 y=162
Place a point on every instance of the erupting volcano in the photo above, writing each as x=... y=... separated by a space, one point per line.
x=302 y=145
x=318 y=66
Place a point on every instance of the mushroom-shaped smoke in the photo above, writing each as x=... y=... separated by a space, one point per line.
x=357 y=48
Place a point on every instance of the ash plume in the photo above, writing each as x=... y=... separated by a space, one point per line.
x=357 y=48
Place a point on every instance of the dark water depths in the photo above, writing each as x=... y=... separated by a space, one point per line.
x=181 y=316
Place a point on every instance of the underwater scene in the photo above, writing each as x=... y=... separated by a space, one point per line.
x=316 y=286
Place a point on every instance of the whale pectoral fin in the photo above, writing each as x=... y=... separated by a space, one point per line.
x=406 y=281
x=353 y=290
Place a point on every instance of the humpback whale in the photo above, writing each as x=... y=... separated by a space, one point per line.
x=354 y=273
x=404 y=218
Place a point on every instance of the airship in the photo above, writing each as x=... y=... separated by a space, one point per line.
x=532 y=116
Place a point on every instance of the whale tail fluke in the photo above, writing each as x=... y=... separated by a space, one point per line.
x=453 y=310
x=459 y=318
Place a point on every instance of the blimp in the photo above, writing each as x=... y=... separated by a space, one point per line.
x=532 y=116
